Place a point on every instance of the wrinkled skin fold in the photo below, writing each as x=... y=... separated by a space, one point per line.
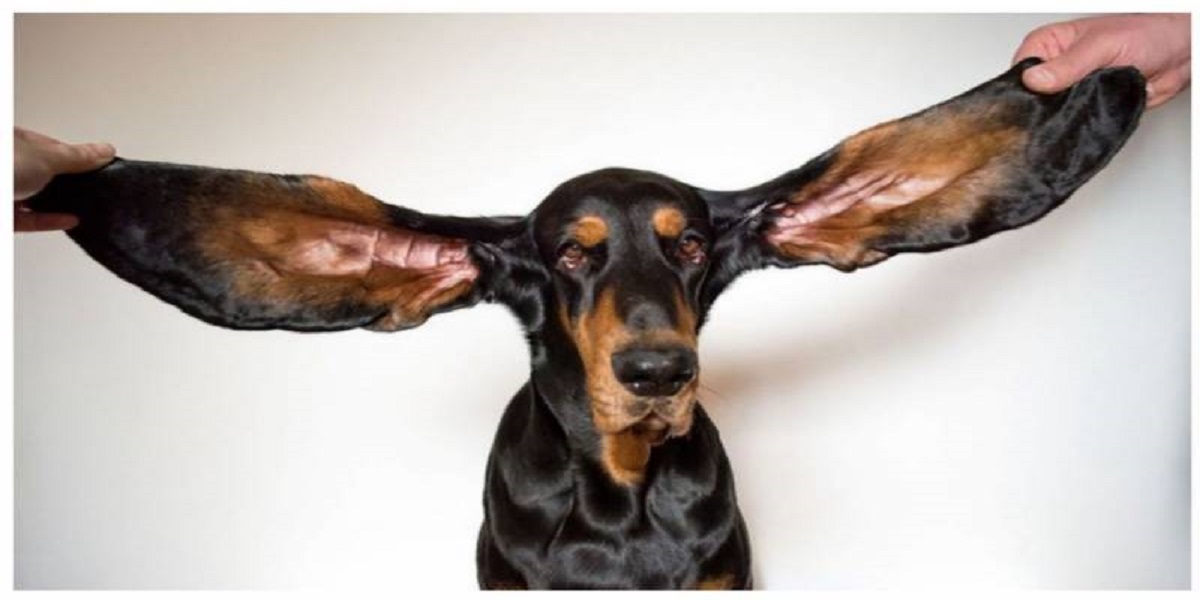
x=593 y=481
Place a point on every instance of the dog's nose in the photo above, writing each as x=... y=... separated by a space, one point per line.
x=655 y=372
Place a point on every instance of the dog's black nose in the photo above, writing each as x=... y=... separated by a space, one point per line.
x=655 y=372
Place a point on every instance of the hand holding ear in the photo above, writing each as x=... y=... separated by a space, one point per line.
x=36 y=160
x=1159 y=45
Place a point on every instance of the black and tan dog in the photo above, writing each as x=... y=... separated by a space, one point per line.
x=605 y=472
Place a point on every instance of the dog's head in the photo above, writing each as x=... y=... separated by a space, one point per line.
x=626 y=254
x=614 y=272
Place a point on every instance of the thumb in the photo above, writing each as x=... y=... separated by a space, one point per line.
x=77 y=158
x=1065 y=70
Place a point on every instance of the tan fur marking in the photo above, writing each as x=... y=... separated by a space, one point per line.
x=597 y=335
x=590 y=231
x=719 y=582
x=686 y=325
x=669 y=222
x=624 y=456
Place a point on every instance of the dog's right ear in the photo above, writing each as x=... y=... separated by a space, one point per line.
x=250 y=250
x=994 y=158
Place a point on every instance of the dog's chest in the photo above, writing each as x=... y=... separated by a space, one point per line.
x=648 y=541
x=598 y=535
x=555 y=519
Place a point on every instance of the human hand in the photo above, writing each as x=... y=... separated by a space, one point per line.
x=36 y=160
x=1159 y=45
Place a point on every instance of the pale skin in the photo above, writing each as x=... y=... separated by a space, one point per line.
x=1159 y=45
x=36 y=160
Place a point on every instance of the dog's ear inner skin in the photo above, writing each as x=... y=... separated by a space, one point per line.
x=604 y=472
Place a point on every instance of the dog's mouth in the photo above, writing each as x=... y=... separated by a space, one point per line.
x=631 y=428
x=652 y=423
x=650 y=419
x=653 y=429
x=657 y=420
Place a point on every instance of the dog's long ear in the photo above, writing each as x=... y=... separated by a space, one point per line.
x=257 y=251
x=994 y=158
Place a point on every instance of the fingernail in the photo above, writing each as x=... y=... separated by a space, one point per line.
x=66 y=222
x=1040 y=77
x=104 y=149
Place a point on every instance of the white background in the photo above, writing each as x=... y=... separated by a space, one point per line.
x=1009 y=414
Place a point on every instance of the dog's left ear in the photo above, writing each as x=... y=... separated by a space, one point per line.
x=994 y=158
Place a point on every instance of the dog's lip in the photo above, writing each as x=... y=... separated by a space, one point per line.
x=653 y=422
x=655 y=419
x=651 y=419
x=654 y=429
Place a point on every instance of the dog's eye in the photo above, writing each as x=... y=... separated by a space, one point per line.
x=571 y=256
x=691 y=249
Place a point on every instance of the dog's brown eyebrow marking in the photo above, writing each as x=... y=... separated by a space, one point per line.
x=668 y=221
x=589 y=230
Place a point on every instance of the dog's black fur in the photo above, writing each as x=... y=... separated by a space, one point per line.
x=587 y=488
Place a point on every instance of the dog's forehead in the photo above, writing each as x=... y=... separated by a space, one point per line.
x=616 y=194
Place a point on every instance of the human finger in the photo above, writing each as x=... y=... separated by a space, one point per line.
x=1063 y=71
x=1047 y=42
x=1166 y=85
x=78 y=158
x=27 y=220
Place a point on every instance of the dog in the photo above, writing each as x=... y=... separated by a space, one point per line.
x=605 y=472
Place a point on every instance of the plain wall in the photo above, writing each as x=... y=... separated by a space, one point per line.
x=1013 y=413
